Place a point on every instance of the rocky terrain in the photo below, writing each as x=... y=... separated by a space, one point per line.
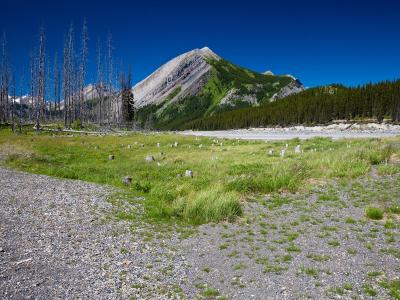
x=334 y=131
x=59 y=239
x=62 y=239
x=185 y=71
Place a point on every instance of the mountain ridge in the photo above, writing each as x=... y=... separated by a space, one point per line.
x=201 y=83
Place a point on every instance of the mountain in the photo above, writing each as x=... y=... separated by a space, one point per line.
x=199 y=84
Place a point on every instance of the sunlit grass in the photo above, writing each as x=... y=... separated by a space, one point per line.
x=223 y=176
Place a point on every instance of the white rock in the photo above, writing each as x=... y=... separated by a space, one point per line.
x=283 y=151
x=127 y=180
x=149 y=158
x=189 y=173
x=297 y=149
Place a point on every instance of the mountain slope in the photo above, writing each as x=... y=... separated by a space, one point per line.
x=199 y=83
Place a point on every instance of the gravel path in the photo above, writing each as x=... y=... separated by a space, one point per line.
x=316 y=246
x=58 y=240
x=61 y=239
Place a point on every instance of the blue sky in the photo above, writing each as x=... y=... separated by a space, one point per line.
x=320 y=42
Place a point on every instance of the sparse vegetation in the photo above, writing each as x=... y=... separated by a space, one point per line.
x=374 y=213
x=218 y=187
x=393 y=287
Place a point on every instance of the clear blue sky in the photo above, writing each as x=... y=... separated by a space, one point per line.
x=320 y=42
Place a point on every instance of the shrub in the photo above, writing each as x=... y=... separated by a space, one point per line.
x=211 y=205
x=386 y=169
x=395 y=209
x=77 y=124
x=374 y=213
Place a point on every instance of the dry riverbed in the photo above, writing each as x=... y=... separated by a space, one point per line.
x=335 y=131
x=61 y=239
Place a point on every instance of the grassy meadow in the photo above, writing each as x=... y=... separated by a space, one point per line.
x=226 y=173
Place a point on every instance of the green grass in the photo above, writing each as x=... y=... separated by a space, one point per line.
x=369 y=290
x=375 y=273
x=334 y=243
x=218 y=188
x=393 y=287
x=210 y=292
x=309 y=271
x=374 y=213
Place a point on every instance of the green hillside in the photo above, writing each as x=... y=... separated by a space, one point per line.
x=314 y=106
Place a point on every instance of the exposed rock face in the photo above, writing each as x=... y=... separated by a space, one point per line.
x=185 y=71
x=233 y=96
x=292 y=88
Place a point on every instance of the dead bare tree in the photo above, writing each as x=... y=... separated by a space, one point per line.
x=13 y=96
x=32 y=101
x=21 y=93
x=57 y=86
x=68 y=72
x=41 y=78
x=4 y=81
x=100 y=82
x=110 y=114
x=82 y=70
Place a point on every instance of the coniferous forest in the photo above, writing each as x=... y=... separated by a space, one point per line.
x=319 y=105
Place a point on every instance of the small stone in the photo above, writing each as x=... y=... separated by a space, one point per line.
x=271 y=152
x=158 y=145
x=283 y=151
x=111 y=157
x=141 y=145
x=129 y=146
x=179 y=175
x=297 y=149
x=176 y=144
x=189 y=173
x=201 y=146
x=149 y=158
x=127 y=180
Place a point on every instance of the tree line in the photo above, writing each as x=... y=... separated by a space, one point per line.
x=55 y=91
x=321 y=105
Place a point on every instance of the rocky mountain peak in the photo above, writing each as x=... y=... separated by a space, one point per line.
x=183 y=71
